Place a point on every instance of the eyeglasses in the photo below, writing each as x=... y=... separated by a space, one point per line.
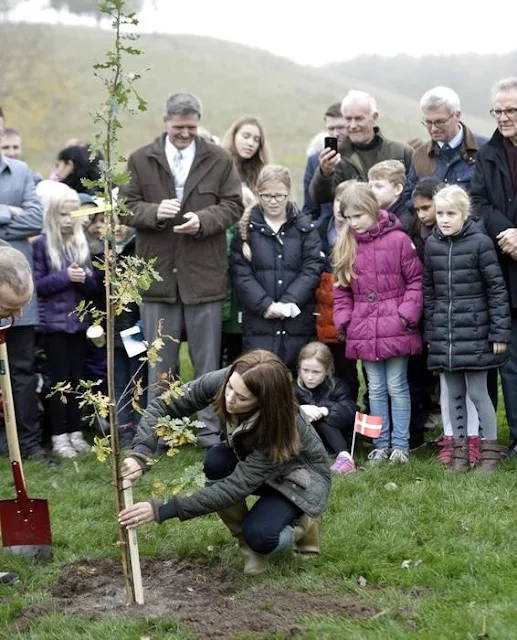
x=428 y=124
x=499 y=113
x=277 y=197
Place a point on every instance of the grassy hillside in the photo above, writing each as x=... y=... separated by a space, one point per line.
x=470 y=74
x=48 y=90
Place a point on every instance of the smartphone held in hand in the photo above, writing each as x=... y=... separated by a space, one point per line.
x=331 y=143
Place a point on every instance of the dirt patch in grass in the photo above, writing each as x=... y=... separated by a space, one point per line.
x=210 y=602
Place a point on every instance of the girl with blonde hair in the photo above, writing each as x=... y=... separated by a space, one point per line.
x=467 y=322
x=275 y=265
x=377 y=307
x=63 y=277
x=324 y=398
x=246 y=142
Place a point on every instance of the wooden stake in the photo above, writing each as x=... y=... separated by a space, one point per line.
x=133 y=548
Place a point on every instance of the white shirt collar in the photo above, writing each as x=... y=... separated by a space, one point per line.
x=188 y=153
x=456 y=141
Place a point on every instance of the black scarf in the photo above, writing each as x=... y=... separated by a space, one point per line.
x=511 y=155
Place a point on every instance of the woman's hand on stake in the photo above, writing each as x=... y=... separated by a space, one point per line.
x=131 y=470
x=136 y=515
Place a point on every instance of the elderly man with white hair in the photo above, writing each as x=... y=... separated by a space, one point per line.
x=450 y=154
x=364 y=147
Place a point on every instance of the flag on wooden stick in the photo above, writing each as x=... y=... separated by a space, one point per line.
x=366 y=425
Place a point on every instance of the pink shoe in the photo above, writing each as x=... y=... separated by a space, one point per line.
x=344 y=463
x=446 y=455
x=474 y=450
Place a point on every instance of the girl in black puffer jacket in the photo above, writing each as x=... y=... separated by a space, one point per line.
x=275 y=265
x=466 y=318
x=325 y=400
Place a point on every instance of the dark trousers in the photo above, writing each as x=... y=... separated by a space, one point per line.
x=269 y=515
x=491 y=384
x=420 y=381
x=66 y=354
x=334 y=439
x=21 y=351
x=126 y=376
x=509 y=382
x=231 y=348
x=345 y=369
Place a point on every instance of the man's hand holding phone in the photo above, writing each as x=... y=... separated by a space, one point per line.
x=329 y=158
x=191 y=226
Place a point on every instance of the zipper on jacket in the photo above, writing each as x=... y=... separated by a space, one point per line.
x=449 y=315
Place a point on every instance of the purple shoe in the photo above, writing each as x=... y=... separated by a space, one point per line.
x=344 y=463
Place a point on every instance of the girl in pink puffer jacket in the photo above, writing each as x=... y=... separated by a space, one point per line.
x=378 y=306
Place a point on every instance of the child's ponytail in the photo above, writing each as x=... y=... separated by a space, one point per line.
x=343 y=257
x=243 y=231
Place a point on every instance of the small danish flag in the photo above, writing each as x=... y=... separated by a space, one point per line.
x=366 y=425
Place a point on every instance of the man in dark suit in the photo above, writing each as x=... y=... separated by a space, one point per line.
x=494 y=198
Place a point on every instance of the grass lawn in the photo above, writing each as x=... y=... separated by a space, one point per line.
x=430 y=556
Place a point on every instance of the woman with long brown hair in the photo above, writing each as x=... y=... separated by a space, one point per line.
x=268 y=448
x=246 y=142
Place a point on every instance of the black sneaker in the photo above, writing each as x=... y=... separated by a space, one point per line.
x=40 y=455
x=512 y=451
x=8 y=578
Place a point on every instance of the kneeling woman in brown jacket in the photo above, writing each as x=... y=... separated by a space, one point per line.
x=269 y=449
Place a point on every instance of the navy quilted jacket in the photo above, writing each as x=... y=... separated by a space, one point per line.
x=466 y=305
x=284 y=267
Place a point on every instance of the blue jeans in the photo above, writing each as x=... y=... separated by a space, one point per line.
x=387 y=382
x=509 y=383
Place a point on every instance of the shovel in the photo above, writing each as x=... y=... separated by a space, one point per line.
x=24 y=521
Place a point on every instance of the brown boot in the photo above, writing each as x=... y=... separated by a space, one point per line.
x=254 y=563
x=233 y=517
x=492 y=454
x=307 y=535
x=460 y=461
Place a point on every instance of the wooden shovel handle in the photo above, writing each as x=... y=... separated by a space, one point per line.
x=133 y=547
x=9 y=416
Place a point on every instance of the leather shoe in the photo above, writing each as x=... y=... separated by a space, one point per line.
x=40 y=455
x=512 y=451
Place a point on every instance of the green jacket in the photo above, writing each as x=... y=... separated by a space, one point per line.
x=304 y=480
x=232 y=308
x=355 y=165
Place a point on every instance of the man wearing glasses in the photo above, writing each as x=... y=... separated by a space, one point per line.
x=335 y=126
x=183 y=194
x=494 y=196
x=450 y=154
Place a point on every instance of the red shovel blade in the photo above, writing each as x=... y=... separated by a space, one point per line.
x=24 y=521
x=27 y=525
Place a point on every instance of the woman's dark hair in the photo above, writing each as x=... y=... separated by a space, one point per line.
x=275 y=432
x=427 y=188
x=83 y=167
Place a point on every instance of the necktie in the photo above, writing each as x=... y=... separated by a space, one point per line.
x=180 y=176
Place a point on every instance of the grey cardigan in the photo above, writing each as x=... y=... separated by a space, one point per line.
x=304 y=480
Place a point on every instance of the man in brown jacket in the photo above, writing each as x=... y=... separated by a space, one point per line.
x=183 y=194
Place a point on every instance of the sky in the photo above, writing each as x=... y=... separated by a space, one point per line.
x=339 y=30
